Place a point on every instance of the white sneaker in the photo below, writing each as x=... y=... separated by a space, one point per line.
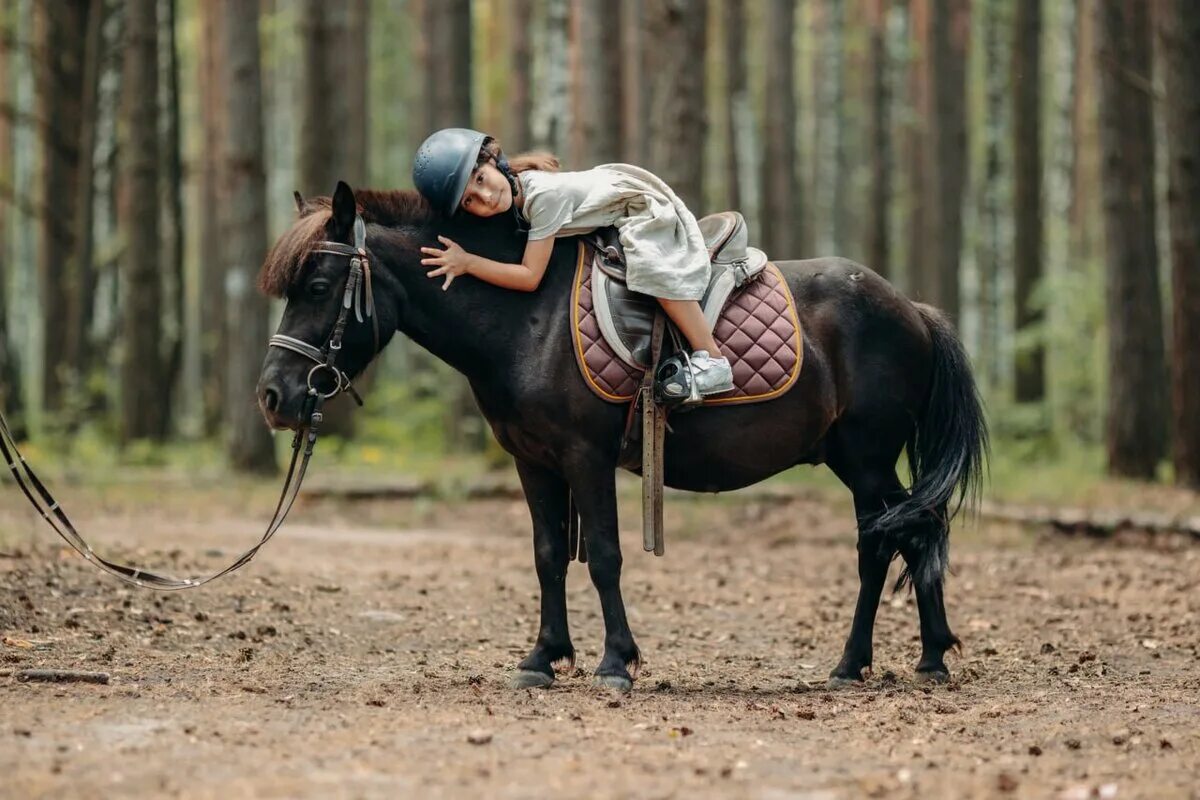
x=710 y=375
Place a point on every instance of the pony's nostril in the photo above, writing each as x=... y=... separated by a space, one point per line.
x=271 y=399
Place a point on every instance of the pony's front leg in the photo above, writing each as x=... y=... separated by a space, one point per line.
x=594 y=485
x=548 y=498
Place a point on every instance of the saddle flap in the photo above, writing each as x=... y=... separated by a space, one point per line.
x=625 y=317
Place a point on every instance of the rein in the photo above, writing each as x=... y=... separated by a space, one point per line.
x=358 y=295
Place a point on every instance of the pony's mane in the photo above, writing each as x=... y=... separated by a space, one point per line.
x=393 y=209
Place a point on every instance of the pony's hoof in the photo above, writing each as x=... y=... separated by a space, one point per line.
x=532 y=679
x=932 y=676
x=616 y=683
x=837 y=682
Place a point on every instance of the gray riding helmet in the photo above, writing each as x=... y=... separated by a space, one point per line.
x=443 y=165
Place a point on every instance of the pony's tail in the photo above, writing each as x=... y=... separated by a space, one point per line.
x=947 y=457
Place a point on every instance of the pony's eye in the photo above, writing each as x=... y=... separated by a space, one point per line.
x=318 y=288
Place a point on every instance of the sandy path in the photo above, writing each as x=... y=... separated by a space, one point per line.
x=357 y=655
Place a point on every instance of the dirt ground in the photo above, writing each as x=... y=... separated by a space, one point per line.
x=370 y=643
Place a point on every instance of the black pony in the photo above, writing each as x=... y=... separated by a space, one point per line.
x=881 y=375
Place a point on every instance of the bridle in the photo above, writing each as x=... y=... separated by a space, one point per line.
x=358 y=295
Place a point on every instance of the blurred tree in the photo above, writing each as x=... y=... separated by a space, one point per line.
x=209 y=205
x=736 y=101
x=1137 y=404
x=1027 y=195
x=781 y=204
x=918 y=250
x=947 y=44
x=333 y=124
x=171 y=202
x=448 y=58
x=244 y=240
x=993 y=183
x=879 y=137
x=10 y=393
x=1179 y=38
x=143 y=415
x=60 y=37
x=675 y=40
x=82 y=269
x=829 y=152
x=551 y=113
x=595 y=85
x=333 y=121
x=634 y=94
x=449 y=96
x=520 y=134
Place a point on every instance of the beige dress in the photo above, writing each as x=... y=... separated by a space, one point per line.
x=664 y=249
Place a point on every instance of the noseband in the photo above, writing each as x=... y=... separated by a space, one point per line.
x=359 y=296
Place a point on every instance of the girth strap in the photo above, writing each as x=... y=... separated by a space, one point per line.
x=654 y=424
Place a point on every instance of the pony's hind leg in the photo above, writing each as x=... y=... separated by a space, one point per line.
x=873 y=491
x=936 y=636
x=547 y=495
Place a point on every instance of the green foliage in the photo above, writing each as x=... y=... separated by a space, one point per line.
x=1076 y=344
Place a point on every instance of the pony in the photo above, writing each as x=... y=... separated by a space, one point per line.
x=882 y=376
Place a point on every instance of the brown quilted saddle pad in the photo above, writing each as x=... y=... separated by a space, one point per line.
x=758 y=331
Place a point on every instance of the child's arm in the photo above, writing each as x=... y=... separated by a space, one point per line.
x=524 y=277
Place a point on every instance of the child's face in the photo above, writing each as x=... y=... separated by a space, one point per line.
x=488 y=192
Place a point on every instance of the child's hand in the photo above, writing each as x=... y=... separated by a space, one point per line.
x=451 y=262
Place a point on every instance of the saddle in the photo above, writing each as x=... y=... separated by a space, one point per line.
x=626 y=317
x=619 y=336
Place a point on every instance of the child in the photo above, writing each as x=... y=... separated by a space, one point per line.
x=665 y=255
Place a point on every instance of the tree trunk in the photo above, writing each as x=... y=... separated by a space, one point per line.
x=992 y=250
x=60 y=32
x=633 y=86
x=879 y=138
x=143 y=415
x=244 y=243
x=172 y=206
x=1027 y=194
x=10 y=393
x=946 y=156
x=595 y=86
x=83 y=281
x=333 y=133
x=209 y=230
x=736 y=94
x=451 y=89
x=1179 y=35
x=333 y=143
x=448 y=87
x=552 y=112
x=520 y=132
x=780 y=211
x=918 y=251
x=1137 y=411
x=675 y=81
x=828 y=206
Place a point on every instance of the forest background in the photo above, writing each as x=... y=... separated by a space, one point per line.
x=1031 y=167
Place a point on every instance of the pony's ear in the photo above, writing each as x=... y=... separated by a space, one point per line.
x=344 y=211
x=299 y=198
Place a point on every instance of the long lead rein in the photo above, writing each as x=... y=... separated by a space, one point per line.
x=358 y=282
